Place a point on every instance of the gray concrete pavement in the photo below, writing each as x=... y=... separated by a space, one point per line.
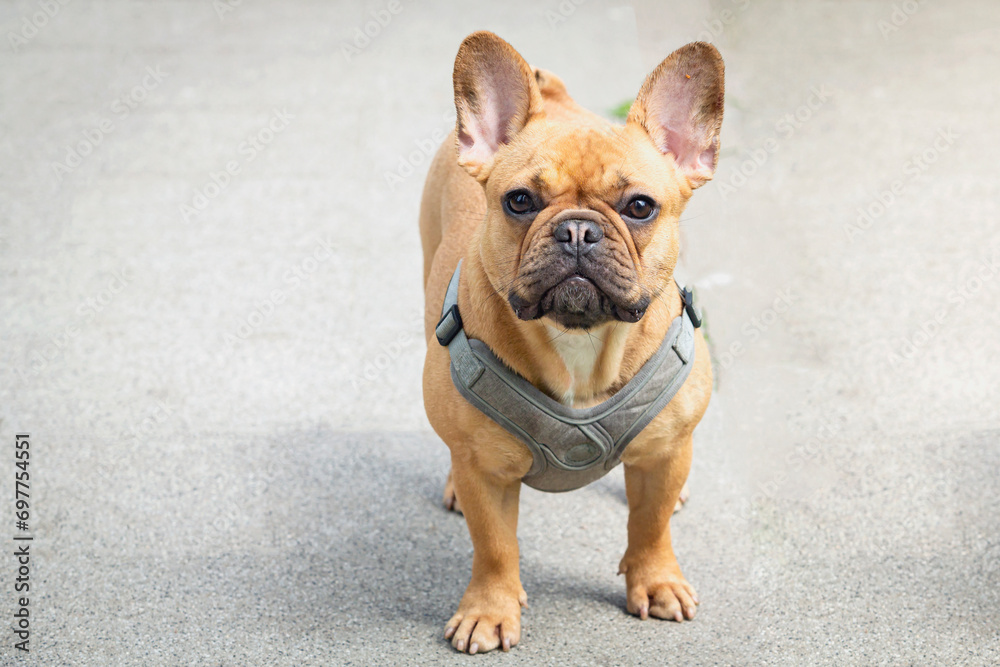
x=210 y=303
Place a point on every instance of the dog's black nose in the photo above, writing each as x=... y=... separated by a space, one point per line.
x=578 y=237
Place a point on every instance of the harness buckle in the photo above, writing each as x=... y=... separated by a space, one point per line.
x=448 y=326
x=688 y=297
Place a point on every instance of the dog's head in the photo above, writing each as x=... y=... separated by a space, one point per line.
x=582 y=215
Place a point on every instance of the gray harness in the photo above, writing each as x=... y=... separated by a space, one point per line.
x=570 y=447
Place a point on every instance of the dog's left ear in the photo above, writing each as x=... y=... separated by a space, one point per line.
x=680 y=106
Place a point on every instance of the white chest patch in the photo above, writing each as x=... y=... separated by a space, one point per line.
x=579 y=351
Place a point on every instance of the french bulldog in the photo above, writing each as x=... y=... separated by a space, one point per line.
x=567 y=227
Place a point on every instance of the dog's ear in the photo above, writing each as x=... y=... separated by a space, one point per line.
x=680 y=106
x=495 y=95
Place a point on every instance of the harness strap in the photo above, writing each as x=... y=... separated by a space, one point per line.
x=570 y=447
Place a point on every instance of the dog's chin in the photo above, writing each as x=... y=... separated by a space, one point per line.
x=575 y=303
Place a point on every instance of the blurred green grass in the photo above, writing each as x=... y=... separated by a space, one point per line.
x=621 y=111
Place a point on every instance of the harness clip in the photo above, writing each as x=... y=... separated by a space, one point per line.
x=688 y=297
x=448 y=326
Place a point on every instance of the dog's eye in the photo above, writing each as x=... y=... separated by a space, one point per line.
x=519 y=202
x=640 y=208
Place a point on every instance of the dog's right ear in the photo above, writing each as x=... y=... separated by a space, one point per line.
x=495 y=96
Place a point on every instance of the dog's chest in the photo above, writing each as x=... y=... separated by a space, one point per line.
x=580 y=352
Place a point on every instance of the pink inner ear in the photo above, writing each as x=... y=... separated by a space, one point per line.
x=502 y=98
x=679 y=143
x=479 y=139
x=488 y=122
x=689 y=153
x=674 y=131
x=472 y=152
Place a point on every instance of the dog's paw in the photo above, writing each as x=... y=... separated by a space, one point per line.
x=449 y=499
x=663 y=594
x=683 y=498
x=485 y=621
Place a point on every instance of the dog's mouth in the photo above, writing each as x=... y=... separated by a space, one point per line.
x=576 y=302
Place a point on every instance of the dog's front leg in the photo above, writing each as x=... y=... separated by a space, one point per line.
x=653 y=578
x=489 y=614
